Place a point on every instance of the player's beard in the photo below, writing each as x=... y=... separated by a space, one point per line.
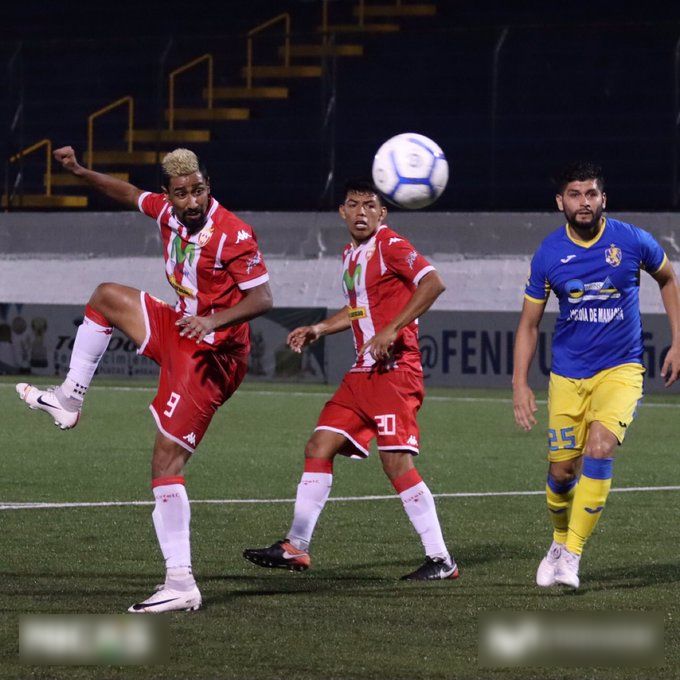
x=584 y=225
x=193 y=222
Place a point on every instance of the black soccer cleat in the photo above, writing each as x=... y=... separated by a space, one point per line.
x=433 y=569
x=281 y=555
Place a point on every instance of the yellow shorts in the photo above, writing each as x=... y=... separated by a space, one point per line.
x=609 y=397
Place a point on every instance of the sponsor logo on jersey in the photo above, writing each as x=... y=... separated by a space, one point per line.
x=181 y=251
x=350 y=280
x=182 y=291
x=613 y=255
x=394 y=239
x=597 y=290
x=205 y=235
x=357 y=312
x=575 y=290
x=566 y=259
x=253 y=262
x=242 y=235
x=190 y=438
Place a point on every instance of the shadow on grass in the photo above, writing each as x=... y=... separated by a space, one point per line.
x=628 y=577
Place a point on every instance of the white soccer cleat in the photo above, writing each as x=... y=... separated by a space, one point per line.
x=46 y=400
x=545 y=575
x=169 y=600
x=566 y=569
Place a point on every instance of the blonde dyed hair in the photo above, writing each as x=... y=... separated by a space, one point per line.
x=180 y=162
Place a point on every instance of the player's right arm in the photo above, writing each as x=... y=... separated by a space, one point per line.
x=305 y=335
x=526 y=339
x=114 y=188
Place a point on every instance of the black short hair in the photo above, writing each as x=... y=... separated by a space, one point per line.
x=579 y=171
x=362 y=186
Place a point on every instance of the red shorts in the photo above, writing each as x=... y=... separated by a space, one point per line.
x=195 y=379
x=380 y=405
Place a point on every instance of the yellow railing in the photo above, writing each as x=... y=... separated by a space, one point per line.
x=171 y=85
x=114 y=105
x=285 y=17
x=361 y=13
x=34 y=147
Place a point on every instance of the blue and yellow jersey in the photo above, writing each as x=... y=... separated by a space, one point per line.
x=597 y=284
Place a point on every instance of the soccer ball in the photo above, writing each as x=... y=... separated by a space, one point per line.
x=410 y=170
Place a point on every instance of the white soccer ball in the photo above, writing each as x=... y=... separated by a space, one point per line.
x=410 y=170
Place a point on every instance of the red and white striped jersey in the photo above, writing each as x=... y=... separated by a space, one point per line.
x=379 y=277
x=209 y=269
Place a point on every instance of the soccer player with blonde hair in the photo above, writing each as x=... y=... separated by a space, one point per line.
x=592 y=264
x=213 y=264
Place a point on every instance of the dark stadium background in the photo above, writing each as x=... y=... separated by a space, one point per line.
x=509 y=90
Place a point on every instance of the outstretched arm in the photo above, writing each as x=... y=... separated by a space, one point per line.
x=114 y=188
x=526 y=339
x=305 y=335
x=670 y=295
x=429 y=289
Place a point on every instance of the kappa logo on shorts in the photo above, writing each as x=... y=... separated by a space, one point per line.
x=190 y=438
x=412 y=441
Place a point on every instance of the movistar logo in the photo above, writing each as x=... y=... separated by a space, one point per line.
x=351 y=279
x=179 y=253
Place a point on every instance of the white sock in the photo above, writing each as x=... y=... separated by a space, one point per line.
x=171 y=518
x=312 y=494
x=420 y=508
x=89 y=347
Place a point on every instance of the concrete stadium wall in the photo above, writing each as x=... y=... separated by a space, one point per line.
x=50 y=263
x=483 y=257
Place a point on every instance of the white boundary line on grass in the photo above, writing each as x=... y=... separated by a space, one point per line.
x=325 y=395
x=339 y=499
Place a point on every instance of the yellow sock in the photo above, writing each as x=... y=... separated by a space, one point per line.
x=589 y=499
x=558 y=496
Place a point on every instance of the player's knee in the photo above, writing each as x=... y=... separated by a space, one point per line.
x=563 y=472
x=102 y=296
x=396 y=464
x=168 y=458
x=315 y=449
x=599 y=449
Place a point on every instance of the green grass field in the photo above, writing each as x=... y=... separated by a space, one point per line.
x=349 y=617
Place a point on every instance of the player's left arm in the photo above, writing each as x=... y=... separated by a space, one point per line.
x=430 y=287
x=670 y=295
x=256 y=301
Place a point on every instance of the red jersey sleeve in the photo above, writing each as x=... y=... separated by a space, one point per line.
x=151 y=204
x=403 y=259
x=243 y=259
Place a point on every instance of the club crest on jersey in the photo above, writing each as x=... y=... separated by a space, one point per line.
x=369 y=251
x=205 y=235
x=613 y=255
x=356 y=312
